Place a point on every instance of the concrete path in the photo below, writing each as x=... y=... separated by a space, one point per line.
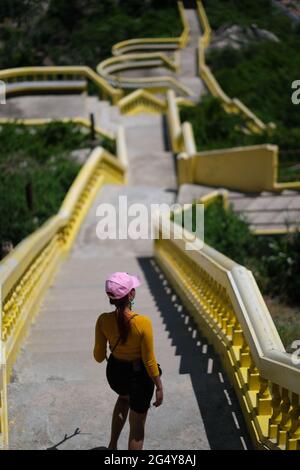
x=45 y=106
x=59 y=106
x=150 y=161
x=189 y=74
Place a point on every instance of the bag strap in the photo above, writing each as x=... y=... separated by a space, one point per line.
x=118 y=340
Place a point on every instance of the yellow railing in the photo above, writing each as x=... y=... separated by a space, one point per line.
x=243 y=168
x=28 y=270
x=234 y=105
x=174 y=123
x=181 y=101
x=228 y=307
x=181 y=135
x=217 y=195
x=124 y=61
x=109 y=67
x=27 y=77
x=252 y=168
x=42 y=121
x=213 y=196
x=145 y=44
x=141 y=101
x=121 y=148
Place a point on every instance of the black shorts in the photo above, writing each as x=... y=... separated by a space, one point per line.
x=124 y=380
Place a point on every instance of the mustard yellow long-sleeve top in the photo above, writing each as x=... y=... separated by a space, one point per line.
x=139 y=343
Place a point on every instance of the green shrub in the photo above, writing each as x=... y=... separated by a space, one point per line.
x=274 y=260
x=260 y=74
x=80 y=32
x=38 y=156
x=213 y=127
x=280 y=266
x=247 y=12
x=222 y=229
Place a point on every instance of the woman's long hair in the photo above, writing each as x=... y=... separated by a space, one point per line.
x=122 y=320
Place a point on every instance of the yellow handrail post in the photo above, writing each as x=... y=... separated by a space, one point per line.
x=188 y=139
x=49 y=74
x=184 y=169
x=174 y=121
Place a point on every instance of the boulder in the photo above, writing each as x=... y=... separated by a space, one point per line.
x=81 y=155
x=237 y=37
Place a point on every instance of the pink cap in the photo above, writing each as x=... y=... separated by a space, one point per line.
x=120 y=284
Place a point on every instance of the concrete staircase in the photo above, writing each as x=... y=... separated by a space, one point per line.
x=57 y=386
x=189 y=74
x=108 y=117
x=147 y=145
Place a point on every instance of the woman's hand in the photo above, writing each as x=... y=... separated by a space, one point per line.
x=159 y=396
x=159 y=391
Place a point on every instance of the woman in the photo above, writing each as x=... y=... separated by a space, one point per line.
x=132 y=370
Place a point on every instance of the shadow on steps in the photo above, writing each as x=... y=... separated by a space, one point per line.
x=216 y=398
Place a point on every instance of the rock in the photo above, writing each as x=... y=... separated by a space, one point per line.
x=47 y=61
x=81 y=155
x=237 y=37
x=6 y=247
x=263 y=34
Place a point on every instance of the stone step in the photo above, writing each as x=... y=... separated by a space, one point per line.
x=106 y=116
x=36 y=424
x=66 y=367
x=196 y=85
x=162 y=172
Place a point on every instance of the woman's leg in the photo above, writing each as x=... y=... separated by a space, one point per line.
x=137 y=430
x=118 y=420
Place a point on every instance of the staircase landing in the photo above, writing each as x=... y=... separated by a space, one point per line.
x=264 y=211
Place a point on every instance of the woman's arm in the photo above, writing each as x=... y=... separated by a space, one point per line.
x=148 y=357
x=100 y=343
x=147 y=348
